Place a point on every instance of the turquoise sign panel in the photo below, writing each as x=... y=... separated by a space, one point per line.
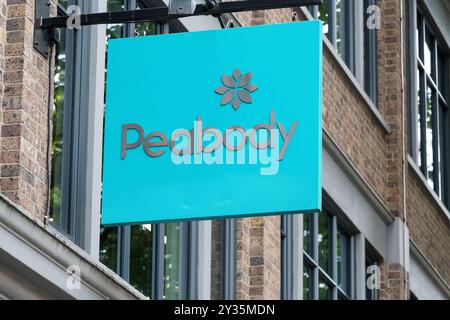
x=213 y=124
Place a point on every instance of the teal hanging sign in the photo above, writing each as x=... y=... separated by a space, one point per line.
x=213 y=124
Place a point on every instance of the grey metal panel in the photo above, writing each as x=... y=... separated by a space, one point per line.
x=95 y=96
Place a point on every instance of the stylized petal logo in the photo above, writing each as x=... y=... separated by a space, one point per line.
x=236 y=89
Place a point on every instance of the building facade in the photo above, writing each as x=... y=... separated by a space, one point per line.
x=384 y=232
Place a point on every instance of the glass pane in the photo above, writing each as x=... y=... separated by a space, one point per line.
x=428 y=53
x=429 y=137
x=141 y=253
x=114 y=31
x=419 y=37
x=325 y=292
x=307 y=233
x=340 y=26
x=324 y=16
x=144 y=28
x=324 y=242
x=307 y=282
x=172 y=261
x=115 y=5
x=216 y=260
x=343 y=261
x=63 y=3
x=58 y=121
x=442 y=149
x=108 y=247
x=419 y=123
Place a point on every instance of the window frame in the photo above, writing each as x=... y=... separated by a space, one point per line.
x=312 y=261
x=295 y=261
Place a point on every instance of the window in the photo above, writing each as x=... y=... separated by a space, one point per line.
x=327 y=258
x=338 y=25
x=57 y=139
x=341 y=20
x=432 y=116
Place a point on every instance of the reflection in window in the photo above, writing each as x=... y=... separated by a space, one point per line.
x=307 y=233
x=57 y=139
x=307 y=282
x=343 y=260
x=429 y=137
x=339 y=26
x=324 y=242
x=141 y=257
x=325 y=292
x=324 y=16
x=172 y=261
x=109 y=248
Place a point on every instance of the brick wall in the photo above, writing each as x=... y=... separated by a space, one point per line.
x=428 y=225
x=24 y=110
x=393 y=278
x=2 y=69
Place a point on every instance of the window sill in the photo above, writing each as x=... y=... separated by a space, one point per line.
x=416 y=169
x=374 y=111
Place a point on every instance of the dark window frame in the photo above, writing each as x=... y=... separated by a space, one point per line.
x=311 y=263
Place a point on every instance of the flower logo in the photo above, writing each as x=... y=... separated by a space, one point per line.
x=236 y=89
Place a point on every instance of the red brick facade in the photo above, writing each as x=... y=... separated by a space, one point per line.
x=24 y=110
